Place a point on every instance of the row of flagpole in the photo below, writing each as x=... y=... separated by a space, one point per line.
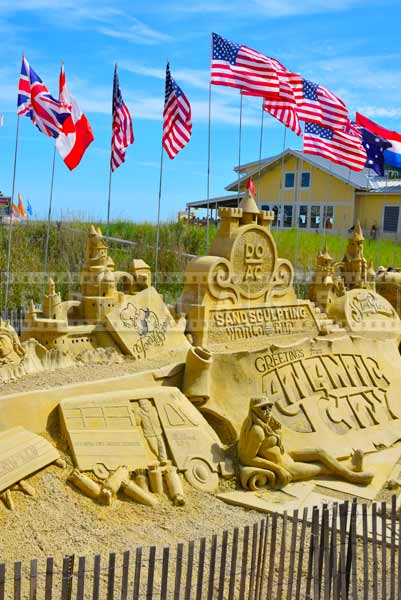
x=227 y=68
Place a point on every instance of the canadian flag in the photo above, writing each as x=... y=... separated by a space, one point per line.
x=73 y=145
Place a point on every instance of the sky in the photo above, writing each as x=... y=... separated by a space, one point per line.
x=350 y=46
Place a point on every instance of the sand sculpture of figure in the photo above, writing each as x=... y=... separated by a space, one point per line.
x=266 y=463
x=149 y=420
x=11 y=351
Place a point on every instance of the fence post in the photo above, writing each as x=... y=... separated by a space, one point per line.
x=68 y=569
x=201 y=568
x=333 y=582
x=291 y=567
x=223 y=560
x=259 y=563
x=212 y=567
x=343 y=534
x=190 y=565
x=96 y=577
x=244 y=562
x=81 y=578
x=124 y=578
x=33 y=579
x=301 y=552
x=178 y=570
x=151 y=573
x=273 y=538
x=365 y=543
x=164 y=582
x=393 y=535
x=255 y=529
x=233 y=567
x=49 y=578
x=384 y=550
x=2 y=580
x=282 y=557
x=374 y=550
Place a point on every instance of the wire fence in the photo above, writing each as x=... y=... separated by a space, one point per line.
x=333 y=552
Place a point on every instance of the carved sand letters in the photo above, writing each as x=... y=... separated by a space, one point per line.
x=346 y=391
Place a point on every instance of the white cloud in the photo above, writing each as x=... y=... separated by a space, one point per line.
x=135 y=31
x=269 y=8
x=194 y=77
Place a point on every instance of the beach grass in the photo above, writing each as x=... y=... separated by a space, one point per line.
x=178 y=241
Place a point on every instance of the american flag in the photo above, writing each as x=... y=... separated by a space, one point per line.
x=49 y=115
x=123 y=134
x=338 y=146
x=316 y=104
x=177 y=125
x=241 y=67
x=284 y=108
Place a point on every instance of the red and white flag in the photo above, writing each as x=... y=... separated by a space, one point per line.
x=72 y=146
x=123 y=133
x=177 y=124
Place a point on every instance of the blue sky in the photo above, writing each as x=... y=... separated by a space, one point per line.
x=350 y=46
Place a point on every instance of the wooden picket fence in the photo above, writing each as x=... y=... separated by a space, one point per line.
x=337 y=552
x=16 y=317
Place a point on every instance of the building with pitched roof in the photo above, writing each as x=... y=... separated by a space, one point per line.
x=316 y=194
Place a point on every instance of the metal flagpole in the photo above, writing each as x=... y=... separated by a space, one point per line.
x=10 y=224
x=108 y=203
x=49 y=216
x=281 y=179
x=298 y=192
x=208 y=168
x=260 y=150
x=239 y=145
x=158 y=219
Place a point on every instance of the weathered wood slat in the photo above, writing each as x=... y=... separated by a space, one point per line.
x=151 y=573
x=354 y=558
x=164 y=580
x=384 y=551
x=96 y=577
x=326 y=572
x=223 y=562
x=17 y=580
x=68 y=569
x=244 y=562
x=178 y=571
x=333 y=583
x=255 y=539
x=374 y=552
x=33 y=580
x=273 y=538
x=111 y=572
x=49 y=578
x=2 y=581
x=291 y=562
x=137 y=576
x=125 y=575
x=190 y=566
x=259 y=560
x=212 y=567
x=282 y=557
x=81 y=578
x=393 y=545
x=365 y=550
x=233 y=565
x=301 y=552
x=342 y=562
x=201 y=569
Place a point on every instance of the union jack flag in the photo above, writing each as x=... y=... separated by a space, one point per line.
x=49 y=115
x=123 y=134
x=177 y=125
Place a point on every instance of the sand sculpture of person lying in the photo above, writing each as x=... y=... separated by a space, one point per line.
x=264 y=462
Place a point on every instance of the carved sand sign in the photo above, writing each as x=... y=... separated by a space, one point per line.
x=143 y=326
x=22 y=453
x=242 y=294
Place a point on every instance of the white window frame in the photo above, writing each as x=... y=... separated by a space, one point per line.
x=286 y=187
x=398 y=221
x=306 y=187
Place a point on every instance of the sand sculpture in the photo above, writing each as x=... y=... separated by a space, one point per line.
x=328 y=366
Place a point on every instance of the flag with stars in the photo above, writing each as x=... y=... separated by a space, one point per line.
x=177 y=124
x=238 y=66
x=340 y=147
x=122 y=131
x=375 y=147
x=284 y=107
x=317 y=104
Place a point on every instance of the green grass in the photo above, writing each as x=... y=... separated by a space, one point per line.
x=67 y=250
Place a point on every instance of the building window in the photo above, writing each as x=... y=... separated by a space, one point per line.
x=276 y=209
x=390 y=219
x=315 y=217
x=303 y=216
x=328 y=217
x=305 y=180
x=264 y=207
x=289 y=180
x=287 y=221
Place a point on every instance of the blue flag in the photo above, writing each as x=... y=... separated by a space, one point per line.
x=375 y=147
x=29 y=209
